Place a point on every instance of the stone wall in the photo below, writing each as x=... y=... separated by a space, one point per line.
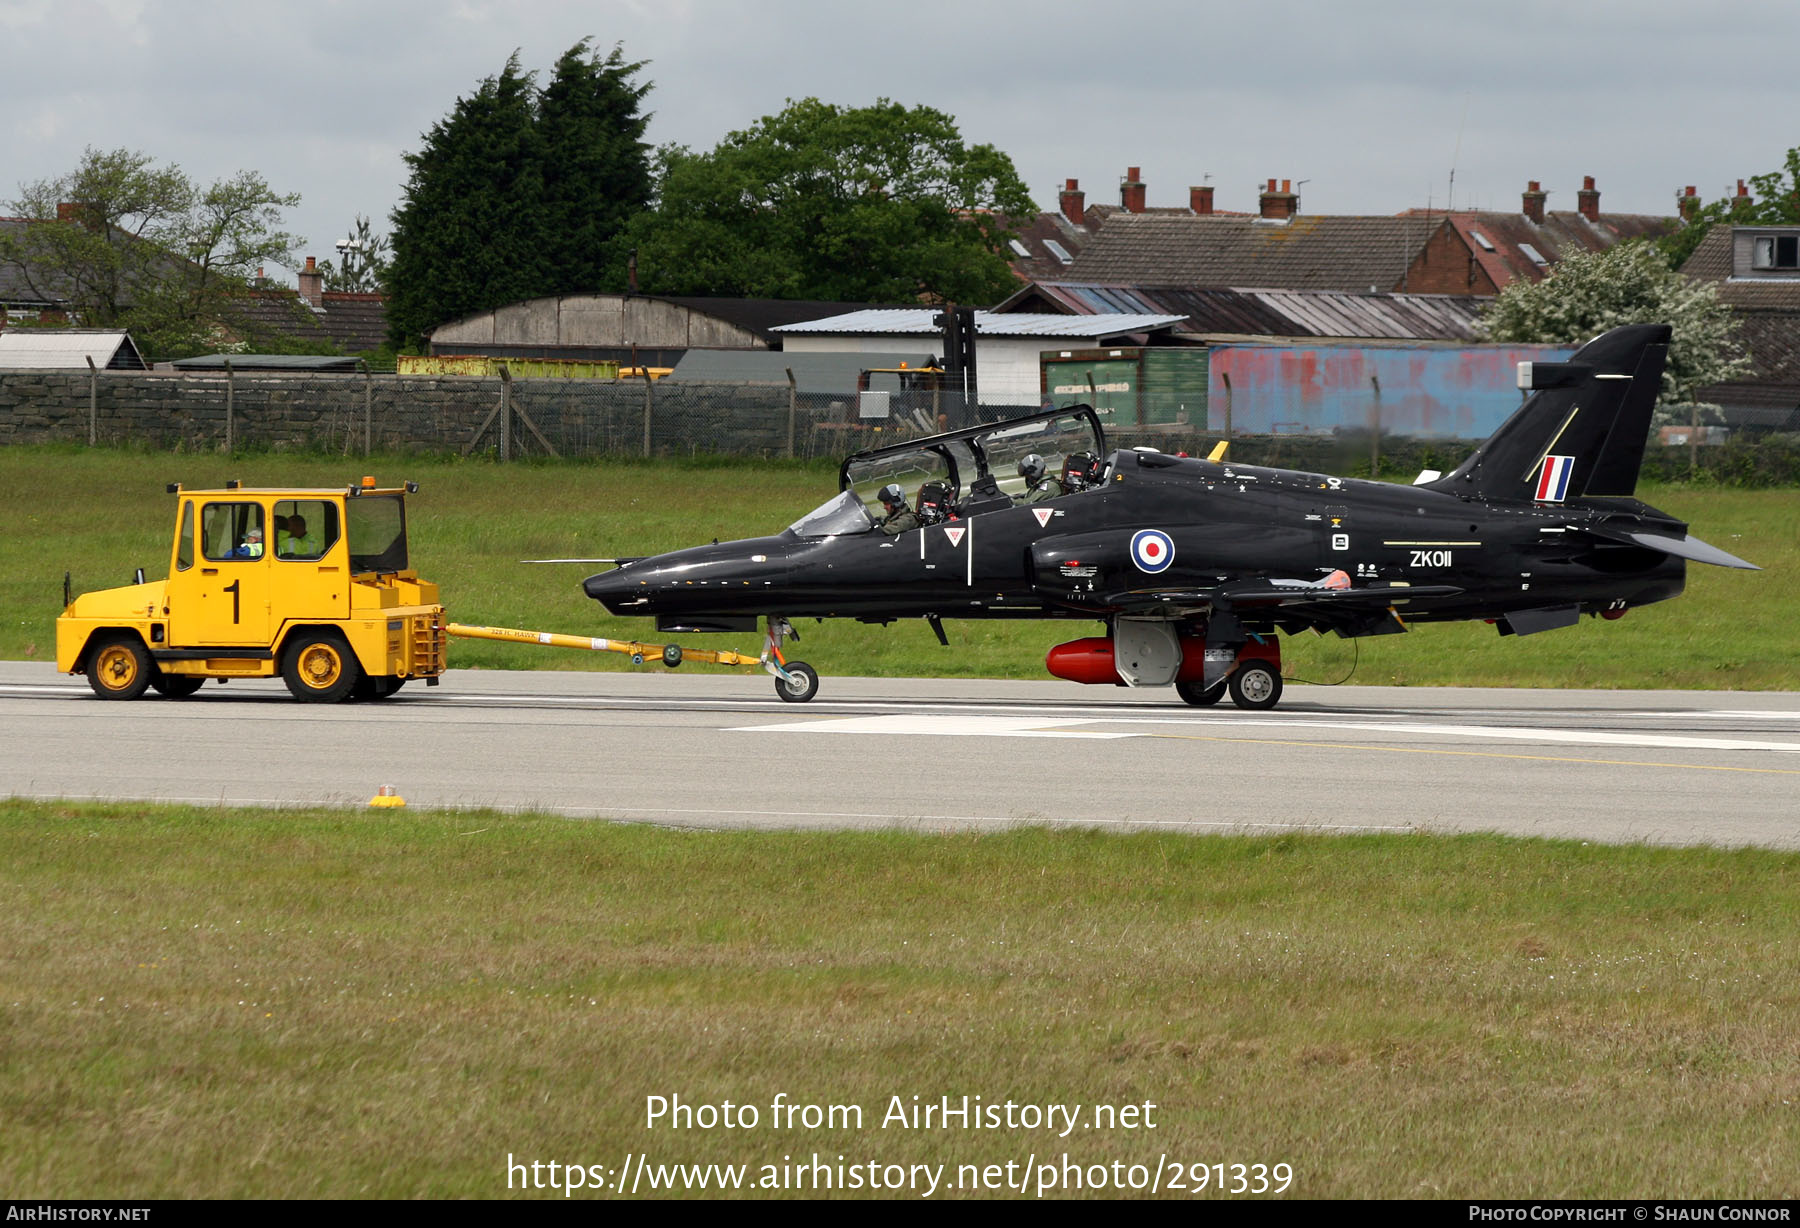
x=434 y=414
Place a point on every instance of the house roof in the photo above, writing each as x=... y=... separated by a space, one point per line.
x=68 y=349
x=1307 y=252
x=1274 y=313
x=1506 y=240
x=354 y=323
x=1768 y=312
x=917 y=321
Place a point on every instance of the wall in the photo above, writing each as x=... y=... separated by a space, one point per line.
x=331 y=412
x=1432 y=393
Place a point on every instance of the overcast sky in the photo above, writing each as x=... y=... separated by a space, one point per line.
x=1369 y=104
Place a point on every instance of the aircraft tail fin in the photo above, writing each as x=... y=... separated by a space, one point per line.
x=1582 y=431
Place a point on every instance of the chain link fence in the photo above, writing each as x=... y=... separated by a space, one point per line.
x=503 y=416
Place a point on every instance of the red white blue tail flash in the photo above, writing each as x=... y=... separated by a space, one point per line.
x=1553 y=484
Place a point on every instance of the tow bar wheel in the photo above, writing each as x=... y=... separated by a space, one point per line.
x=119 y=667
x=320 y=669
x=800 y=685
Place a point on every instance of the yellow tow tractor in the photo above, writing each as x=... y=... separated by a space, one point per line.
x=312 y=585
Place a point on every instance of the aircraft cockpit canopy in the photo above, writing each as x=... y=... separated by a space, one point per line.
x=977 y=467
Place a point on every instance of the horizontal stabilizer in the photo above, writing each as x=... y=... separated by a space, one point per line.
x=1684 y=547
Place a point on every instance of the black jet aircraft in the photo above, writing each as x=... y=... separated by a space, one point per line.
x=1195 y=566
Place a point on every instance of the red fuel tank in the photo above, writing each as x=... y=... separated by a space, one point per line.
x=1090 y=660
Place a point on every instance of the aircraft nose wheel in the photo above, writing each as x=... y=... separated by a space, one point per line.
x=1255 y=686
x=800 y=685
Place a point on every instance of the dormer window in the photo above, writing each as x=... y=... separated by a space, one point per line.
x=1775 y=252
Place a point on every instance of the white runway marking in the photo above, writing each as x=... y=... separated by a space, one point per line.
x=951 y=725
x=959 y=725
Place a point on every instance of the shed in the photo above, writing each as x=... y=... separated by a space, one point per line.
x=69 y=349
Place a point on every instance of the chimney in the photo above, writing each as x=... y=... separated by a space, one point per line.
x=1279 y=204
x=1741 y=201
x=1688 y=203
x=1200 y=199
x=1073 y=201
x=312 y=283
x=1131 y=191
x=1587 y=201
x=1533 y=201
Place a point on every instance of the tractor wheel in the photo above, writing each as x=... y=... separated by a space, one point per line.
x=320 y=668
x=176 y=686
x=118 y=667
x=1256 y=686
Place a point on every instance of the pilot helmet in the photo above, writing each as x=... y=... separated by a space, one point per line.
x=892 y=495
x=1032 y=467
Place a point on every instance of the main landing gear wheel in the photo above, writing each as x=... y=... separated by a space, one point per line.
x=176 y=686
x=119 y=667
x=320 y=669
x=800 y=685
x=1199 y=696
x=1255 y=686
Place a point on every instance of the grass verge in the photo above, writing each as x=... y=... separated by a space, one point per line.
x=218 y=1003
x=100 y=513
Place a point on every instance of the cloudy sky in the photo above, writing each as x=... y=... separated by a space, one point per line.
x=1368 y=104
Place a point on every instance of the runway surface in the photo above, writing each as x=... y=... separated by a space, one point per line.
x=717 y=749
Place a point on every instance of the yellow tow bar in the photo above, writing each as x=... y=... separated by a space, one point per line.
x=669 y=654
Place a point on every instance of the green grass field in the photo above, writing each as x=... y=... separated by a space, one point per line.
x=214 y=1003
x=100 y=513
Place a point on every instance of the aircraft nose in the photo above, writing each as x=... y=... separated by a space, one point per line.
x=728 y=576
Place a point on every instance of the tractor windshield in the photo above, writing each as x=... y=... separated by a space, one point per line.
x=377 y=526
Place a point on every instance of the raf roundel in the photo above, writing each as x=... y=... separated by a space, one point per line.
x=1152 y=550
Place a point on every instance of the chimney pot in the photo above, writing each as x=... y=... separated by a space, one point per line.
x=1533 y=201
x=312 y=283
x=1131 y=191
x=1282 y=204
x=1588 y=199
x=1073 y=201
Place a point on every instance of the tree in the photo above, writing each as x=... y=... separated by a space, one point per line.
x=1774 y=200
x=128 y=244
x=466 y=228
x=1630 y=283
x=363 y=263
x=596 y=168
x=518 y=193
x=877 y=203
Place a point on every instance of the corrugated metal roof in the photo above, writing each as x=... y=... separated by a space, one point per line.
x=1282 y=313
x=67 y=349
x=987 y=324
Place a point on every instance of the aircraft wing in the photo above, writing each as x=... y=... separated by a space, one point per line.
x=1265 y=593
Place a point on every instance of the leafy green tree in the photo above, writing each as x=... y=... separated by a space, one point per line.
x=877 y=203
x=1774 y=200
x=129 y=244
x=1630 y=283
x=363 y=261
x=519 y=193
x=596 y=167
x=466 y=232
